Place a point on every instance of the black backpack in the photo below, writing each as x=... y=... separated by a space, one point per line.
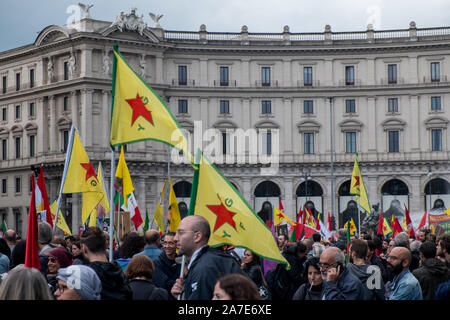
x=279 y=282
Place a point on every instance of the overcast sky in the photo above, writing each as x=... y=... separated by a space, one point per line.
x=21 y=21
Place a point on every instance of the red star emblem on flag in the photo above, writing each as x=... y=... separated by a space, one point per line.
x=223 y=216
x=89 y=170
x=139 y=110
x=357 y=181
x=280 y=216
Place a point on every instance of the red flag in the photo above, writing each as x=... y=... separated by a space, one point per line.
x=303 y=215
x=423 y=222
x=280 y=205
x=409 y=226
x=31 y=252
x=380 y=223
x=317 y=223
x=397 y=228
x=41 y=185
x=329 y=222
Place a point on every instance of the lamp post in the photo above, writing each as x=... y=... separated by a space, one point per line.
x=306 y=175
x=331 y=155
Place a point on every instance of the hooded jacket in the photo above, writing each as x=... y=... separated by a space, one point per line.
x=432 y=272
x=114 y=283
x=371 y=279
x=208 y=265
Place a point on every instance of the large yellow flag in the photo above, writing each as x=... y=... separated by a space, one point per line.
x=231 y=219
x=123 y=173
x=61 y=223
x=138 y=113
x=279 y=216
x=358 y=189
x=158 y=216
x=79 y=175
x=174 y=212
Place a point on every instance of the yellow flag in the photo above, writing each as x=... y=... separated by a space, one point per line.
x=447 y=211
x=158 y=216
x=352 y=226
x=93 y=217
x=358 y=189
x=386 y=228
x=174 y=212
x=89 y=207
x=231 y=219
x=104 y=202
x=61 y=223
x=279 y=216
x=138 y=113
x=123 y=173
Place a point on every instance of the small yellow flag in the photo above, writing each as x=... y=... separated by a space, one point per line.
x=61 y=223
x=123 y=173
x=174 y=212
x=386 y=228
x=158 y=216
x=352 y=226
x=89 y=207
x=279 y=216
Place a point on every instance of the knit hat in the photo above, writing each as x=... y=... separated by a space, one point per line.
x=83 y=279
x=63 y=256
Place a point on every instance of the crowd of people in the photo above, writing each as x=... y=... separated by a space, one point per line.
x=182 y=266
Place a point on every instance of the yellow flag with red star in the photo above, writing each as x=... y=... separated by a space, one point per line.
x=279 y=217
x=231 y=219
x=138 y=113
x=358 y=189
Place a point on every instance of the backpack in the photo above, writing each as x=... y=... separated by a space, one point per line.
x=279 y=283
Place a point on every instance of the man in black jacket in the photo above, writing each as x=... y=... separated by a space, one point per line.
x=205 y=263
x=432 y=272
x=114 y=283
x=167 y=270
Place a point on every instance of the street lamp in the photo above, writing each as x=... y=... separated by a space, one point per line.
x=306 y=175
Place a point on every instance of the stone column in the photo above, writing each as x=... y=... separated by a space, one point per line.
x=286 y=73
x=74 y=108
x=371 y=187
x=287 y=131
x=245 y=73
x=370 y=71
x=328 y=72
x=24 y=218
x=86 y=63
x=159 y=69
x=371 y=126
x=105 y=114
x=204 y=72
x=10 y=218
x=42 y=127
x=415 y=195
x=413 y=70
x=289 y=200
x=86 y=117
x=246 y=114
x=246 y=188
x=52 y=127
x=40 y=72
x=412 y=130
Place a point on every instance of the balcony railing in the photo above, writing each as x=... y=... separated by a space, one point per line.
x=345 y=82
x=387 y=81
x=231 y=83
x=272 y=83
x=308 y=84
x=429 y=79
x=188 y=82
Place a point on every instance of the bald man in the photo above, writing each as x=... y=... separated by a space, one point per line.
x=11 y=238
x=339 y=282
x=153 y=242
x=404 y=286
x=205 y=263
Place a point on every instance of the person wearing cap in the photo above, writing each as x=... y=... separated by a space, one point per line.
x=78 y=282
x=57 y=258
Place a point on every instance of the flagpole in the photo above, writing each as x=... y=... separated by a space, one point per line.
x=111 y=206
x=66 y=167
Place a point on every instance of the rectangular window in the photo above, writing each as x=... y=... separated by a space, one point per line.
x=66 y=70
x=32 y=145
x=349 y=75
x=266 y=106
x=350 y=106
x=392 y=73
x=4 y=114
x=4 y=149
x=435 y=103
x=17 y=148
x=225 y=143
x=224 y=107
x=182 y=106
x=224 y=76
x=265 y=76
x=18 y=112
x=308 y=142
x=267 y=143
x=17 y=219
x=66 y=104
x=17 y=81
x=308 y=106
x=435 y=71
x=31 y=111
x=4 y=84
x=436 y=139
x=4 y=186
x=65 y=140
x=182 y=75
x=31 y=78
x=393 y=141
x=350 y=142
x=18 y=186
x=307 y=76
x=393 y=105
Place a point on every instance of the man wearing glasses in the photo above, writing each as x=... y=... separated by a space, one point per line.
x=167 y=270
x=205 y=263
x=339 y=282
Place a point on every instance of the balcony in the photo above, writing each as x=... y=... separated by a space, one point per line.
x=302 y=83
x=429 y=79
x=346 y=83
x=387 y=81
x=231 y=83
x=260 y=83
x=188 y=82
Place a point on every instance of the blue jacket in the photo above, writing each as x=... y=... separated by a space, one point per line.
x=348 y=287
x=4 y=263
x=404 y=287
x=150 y=251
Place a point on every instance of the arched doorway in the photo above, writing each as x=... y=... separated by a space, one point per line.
x=182 y=191
x=348 y=207
x=394 y=198
x=310 y=195
x=437 y=195
x=266 y=193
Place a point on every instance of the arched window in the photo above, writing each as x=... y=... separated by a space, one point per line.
x=267 y=195
x=437 y=195
x=309 y=194
x=182 y=189
x=395 y=187
x=394 y=198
